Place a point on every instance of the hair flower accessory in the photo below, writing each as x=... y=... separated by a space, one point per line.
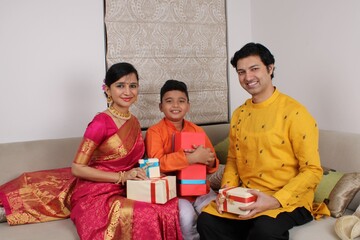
x=103 y=87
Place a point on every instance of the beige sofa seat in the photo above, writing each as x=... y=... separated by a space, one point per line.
x=338 y=150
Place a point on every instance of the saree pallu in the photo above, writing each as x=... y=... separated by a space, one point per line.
x=39 y=196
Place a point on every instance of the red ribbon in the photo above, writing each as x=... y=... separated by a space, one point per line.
x=235 y=198
x=153 y=189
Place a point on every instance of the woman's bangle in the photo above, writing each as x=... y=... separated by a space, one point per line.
x=121 y=178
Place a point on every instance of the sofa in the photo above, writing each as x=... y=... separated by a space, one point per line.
x=338 y=150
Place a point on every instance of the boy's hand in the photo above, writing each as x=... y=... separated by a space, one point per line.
x=201 y=155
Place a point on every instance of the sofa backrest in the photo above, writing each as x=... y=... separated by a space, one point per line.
x=19 y=157
x=338 y=150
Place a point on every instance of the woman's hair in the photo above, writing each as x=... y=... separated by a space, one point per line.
x=117 y=71
x=171 y=85
x=254 y=49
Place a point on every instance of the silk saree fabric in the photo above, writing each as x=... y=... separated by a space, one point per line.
x=39 y=196
x=99 y=210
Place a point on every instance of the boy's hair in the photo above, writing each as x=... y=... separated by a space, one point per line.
x=171 y=85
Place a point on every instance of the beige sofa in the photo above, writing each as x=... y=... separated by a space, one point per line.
x=338 y=150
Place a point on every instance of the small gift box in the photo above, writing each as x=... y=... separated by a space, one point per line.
x=156 y=190
x=234 y=197
x=192 y=180
x=151 y=167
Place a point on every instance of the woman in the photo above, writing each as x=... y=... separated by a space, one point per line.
x=108 y=156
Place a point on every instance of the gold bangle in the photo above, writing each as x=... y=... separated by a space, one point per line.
x=120 y=180
x=123 y=178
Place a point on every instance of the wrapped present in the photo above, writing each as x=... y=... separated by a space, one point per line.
x=192 y=180
x=151 y=167
x=186 y=140
x=156 y=190
x=234 y=197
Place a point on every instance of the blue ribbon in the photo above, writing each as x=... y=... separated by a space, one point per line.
x=146 y=165
x=192 y=181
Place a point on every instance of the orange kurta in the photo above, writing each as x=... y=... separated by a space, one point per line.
x=158 y=142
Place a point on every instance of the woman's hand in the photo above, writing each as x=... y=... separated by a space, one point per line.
x=136 y=174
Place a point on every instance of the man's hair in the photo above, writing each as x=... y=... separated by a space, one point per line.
x=171 y=85
x=254 y=49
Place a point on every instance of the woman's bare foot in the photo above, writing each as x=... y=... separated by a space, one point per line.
x=2 y=215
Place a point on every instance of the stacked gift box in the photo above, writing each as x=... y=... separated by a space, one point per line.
x=156 y=189
x=191 y=181
x=151 y=167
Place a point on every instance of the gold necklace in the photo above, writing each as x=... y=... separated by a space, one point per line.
x=120 y=115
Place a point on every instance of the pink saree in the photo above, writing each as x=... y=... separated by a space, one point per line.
x=99 y=210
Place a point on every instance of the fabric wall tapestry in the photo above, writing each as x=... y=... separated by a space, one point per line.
x=172 y=39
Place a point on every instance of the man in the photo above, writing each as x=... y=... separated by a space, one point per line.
x=273 y=151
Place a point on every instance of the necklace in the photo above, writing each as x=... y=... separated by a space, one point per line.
x=120 y=115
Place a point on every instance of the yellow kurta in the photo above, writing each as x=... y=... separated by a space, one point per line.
x=274 y=148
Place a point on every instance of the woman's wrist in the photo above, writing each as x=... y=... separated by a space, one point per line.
x=122 y=178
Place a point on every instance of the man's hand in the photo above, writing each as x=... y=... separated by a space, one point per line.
x=220 y=200
x=263 y=202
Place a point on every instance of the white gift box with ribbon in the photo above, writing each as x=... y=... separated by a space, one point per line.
x=234 y=197
x=151 y=167
x=156 y=190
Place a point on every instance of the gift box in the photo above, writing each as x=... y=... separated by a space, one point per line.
x=232 y=198
x=156 y=190
x=192 y=180
x=151 y=167
x=186 y=140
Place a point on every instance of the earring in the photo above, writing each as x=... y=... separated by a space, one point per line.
x=109 y=99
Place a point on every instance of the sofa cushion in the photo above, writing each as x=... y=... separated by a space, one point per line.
x=215 y=178
x=343 y=193
x=337 y=190
x=327 y=184
x=221 y=150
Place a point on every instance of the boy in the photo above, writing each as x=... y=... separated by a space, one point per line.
x=174 y=103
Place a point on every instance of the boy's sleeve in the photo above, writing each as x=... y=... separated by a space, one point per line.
x=208 y=144
x=158 y=145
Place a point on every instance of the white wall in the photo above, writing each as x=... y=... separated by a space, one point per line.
x=52 y=62
x=239 y=33
x=316 y=47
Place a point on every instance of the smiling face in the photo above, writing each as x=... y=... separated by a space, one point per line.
x=255 y=78
x=124 y=92
x=174 y=105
